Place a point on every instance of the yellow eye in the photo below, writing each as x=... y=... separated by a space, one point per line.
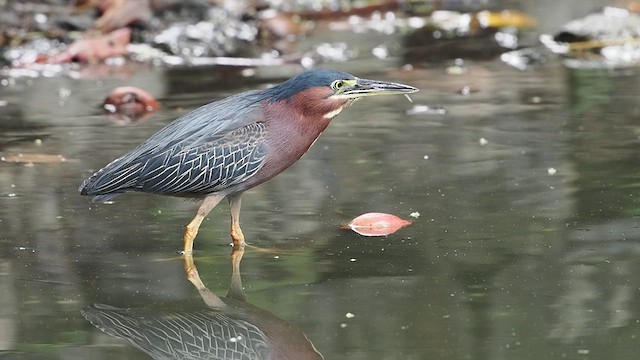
x=337 y=85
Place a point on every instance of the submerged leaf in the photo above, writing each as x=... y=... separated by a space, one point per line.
x=377 y=224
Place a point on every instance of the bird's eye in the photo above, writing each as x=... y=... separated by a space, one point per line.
x=337 y=85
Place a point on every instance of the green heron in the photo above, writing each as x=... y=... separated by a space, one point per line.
x=226 y=147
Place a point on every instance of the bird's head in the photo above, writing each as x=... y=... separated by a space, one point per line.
x=325 y=93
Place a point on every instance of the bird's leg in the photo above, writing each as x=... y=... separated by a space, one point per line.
x=192 y=229
x=236 y=233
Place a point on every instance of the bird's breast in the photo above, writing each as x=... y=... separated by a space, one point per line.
x=288 y=137
x=289 y=142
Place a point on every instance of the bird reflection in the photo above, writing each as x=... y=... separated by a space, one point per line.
x=226 y=328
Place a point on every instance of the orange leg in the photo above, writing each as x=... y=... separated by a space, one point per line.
x=192 y=229
x=236 y=233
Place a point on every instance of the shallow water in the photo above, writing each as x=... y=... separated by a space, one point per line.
x=526 y=245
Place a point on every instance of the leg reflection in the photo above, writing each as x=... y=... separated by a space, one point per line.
x=209 y=298
x=235 y=286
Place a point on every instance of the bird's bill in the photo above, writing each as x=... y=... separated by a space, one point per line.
x=358 y=88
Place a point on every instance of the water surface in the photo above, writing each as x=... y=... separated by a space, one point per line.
x=524 y=248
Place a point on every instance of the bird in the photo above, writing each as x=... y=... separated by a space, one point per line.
x=226 y=147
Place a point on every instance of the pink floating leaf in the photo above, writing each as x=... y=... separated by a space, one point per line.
x=376 y=224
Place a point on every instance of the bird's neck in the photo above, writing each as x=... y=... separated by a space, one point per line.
x=294 y=130
x=290 y=133
x=294 y=121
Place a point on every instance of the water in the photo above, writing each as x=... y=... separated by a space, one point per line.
x=526 y=245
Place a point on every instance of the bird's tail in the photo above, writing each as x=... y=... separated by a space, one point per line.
x=88 y=188
x=111 y=181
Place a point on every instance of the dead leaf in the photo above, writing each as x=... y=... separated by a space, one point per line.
x=376 y=224
x=505 y=18
x=128 y=103
x=93 y=49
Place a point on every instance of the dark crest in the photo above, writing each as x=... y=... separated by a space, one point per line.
x=305 y=80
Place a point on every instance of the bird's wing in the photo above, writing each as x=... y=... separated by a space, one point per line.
x=199 y=153
x=206 y=165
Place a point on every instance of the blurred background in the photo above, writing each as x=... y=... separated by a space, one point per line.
x=517 y=163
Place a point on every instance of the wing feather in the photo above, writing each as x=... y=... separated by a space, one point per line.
x=197 y=154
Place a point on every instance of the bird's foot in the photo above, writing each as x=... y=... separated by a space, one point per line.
x=189 y=237
x=237 y=236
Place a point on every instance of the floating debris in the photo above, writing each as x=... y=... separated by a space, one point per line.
x=458 y=67
x=380 y=51
x=523 y=59
x=376 y=224
x=466 y=90
x=426 y=110
x=128 y=103
x=24 y=248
